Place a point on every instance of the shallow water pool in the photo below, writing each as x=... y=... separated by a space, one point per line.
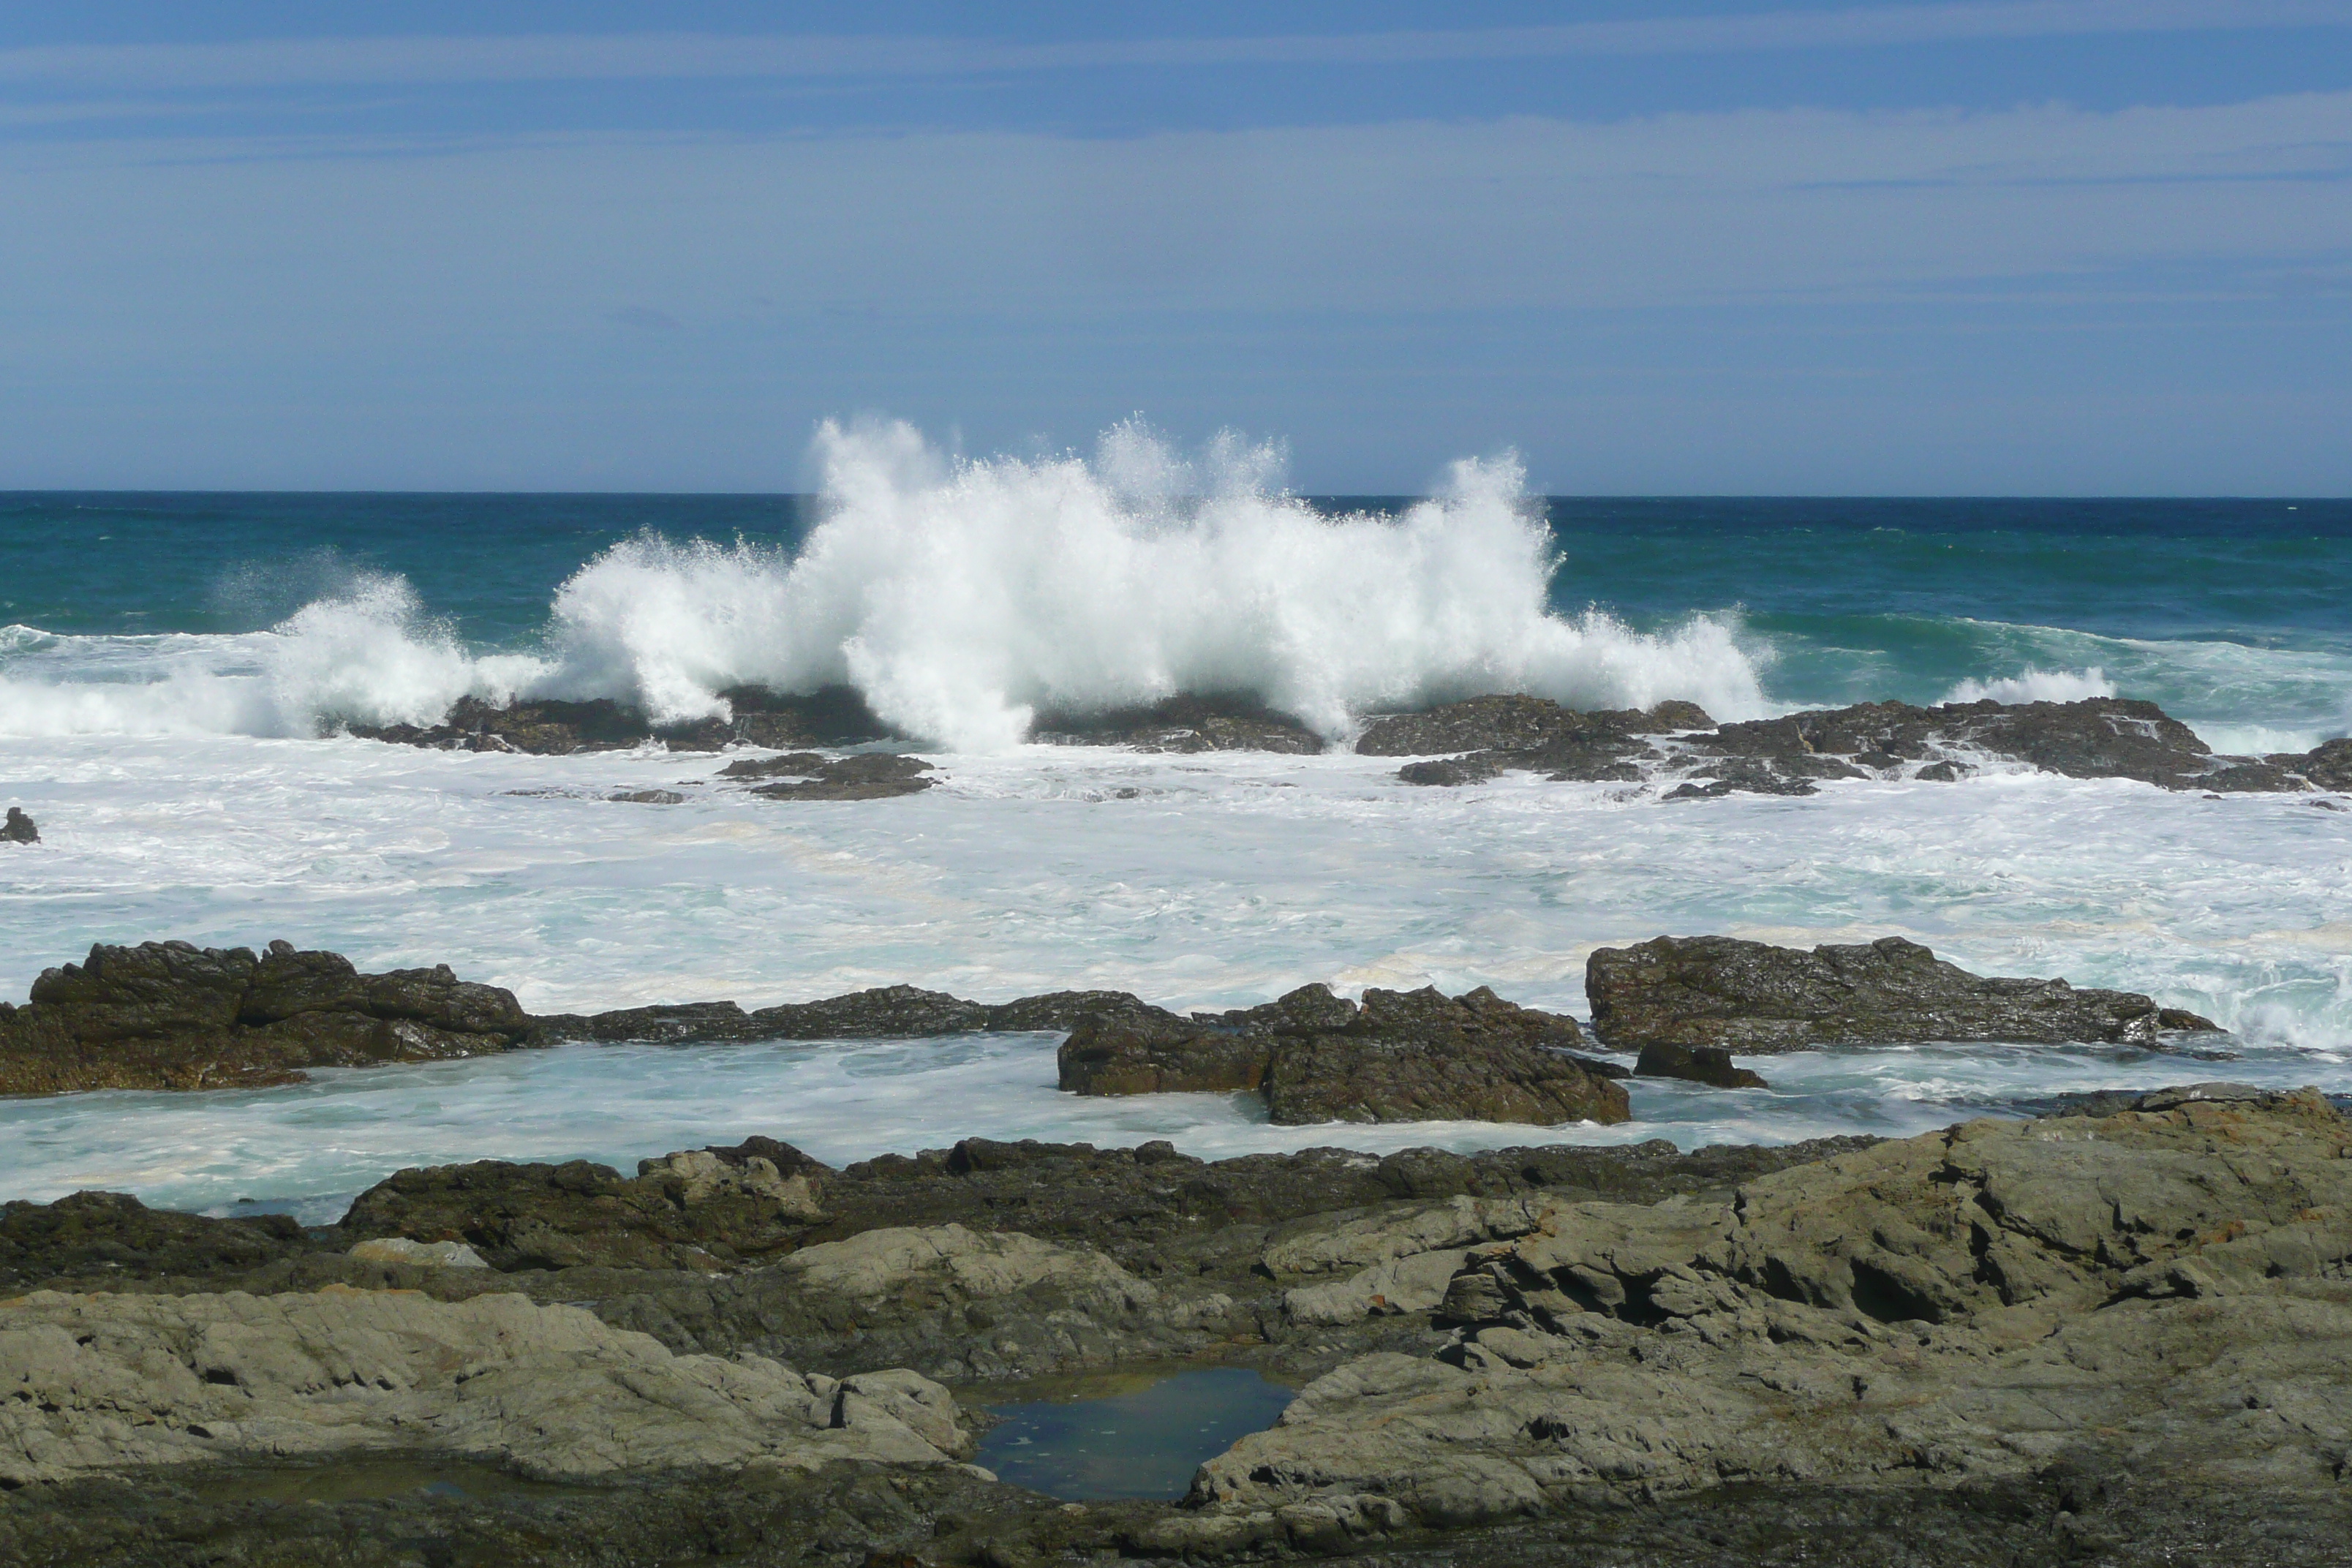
x=1135 y=1434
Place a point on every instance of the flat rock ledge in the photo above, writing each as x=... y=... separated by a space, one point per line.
x=1399 y=1057
x=2120 y=1335
x=1677 y=748
x=2159 y=1292
x=112 y=1383
x=1730 y=996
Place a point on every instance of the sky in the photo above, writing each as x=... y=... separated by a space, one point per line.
x=1986 y=247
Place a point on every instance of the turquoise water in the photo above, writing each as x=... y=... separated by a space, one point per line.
x=1135 y=1443
x=2232 y=614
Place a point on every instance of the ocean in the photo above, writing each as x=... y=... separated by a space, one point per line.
x=174 y=668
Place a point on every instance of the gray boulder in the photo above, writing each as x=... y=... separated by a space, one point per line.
x=18 y=829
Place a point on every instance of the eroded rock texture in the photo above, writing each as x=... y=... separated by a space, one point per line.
x=1684 y=752
x=2154 y=1292
x=111 y=1383
x=1748 y=996
x=1399 y=1057
x=173 y=1016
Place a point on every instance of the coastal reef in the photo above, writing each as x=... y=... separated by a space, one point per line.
x=2118 y=1334
x=1399 y=1057
x=1748 y=997
x=172 y=1016
x=1675 y=744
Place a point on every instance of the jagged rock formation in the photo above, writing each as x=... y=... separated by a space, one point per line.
x=1213 y=721
x=110 y=1383
x=834 y=716
x=1399 y=1056
x=173 y=1016
x=19 y=829
x=2160 y=1293
x=1746 y=997
x=1678 y=744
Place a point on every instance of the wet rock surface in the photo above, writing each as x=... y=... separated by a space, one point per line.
x=2117 y=1337
x=805 y=775
x=1709 y=1065
x=1747 y=996
x=834 y=716
x=1217 y=721
x=1399 y=1057
x=18 y=829
x=1687 y=756
x=173 y=1016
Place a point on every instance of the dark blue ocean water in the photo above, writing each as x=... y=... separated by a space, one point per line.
x=2227 y=610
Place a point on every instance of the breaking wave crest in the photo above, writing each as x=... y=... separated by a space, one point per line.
x=961 y=598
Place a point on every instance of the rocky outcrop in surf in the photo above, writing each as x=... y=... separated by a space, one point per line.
x=1398 y=1057
x=1215 y=722
x=170 y=1015
x=1686 y=754
x=806 y=776
x=831 y=716
x=19 y=829
x=1746 y=997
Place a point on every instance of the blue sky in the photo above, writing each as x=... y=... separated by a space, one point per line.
x=2020 y=247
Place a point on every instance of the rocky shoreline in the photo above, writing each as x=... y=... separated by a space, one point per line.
x=2105 y=1336
x=172 y=1016
x=1674 y=750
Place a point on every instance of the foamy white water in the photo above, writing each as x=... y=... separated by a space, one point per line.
x=1197 y=881
x=960 y=598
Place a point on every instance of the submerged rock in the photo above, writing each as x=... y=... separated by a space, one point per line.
x=18 y=829
x=1399 y=1056
x=173 y=1016
x=869 y=775
x=1746 y=997
x=1709 y=1065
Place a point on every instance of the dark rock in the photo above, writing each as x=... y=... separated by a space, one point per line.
x=647 y=797
x=884 y=1012
x=1451 y=771
x=1709 y=1065
x=1209 y=721
x=578 y=1214
x=1516 y=724
x=794 y=764
x=2099 y=737
x=173 y=1016
x=1419 y=1056
x=1065 y=1010
x=19 y=829
x=1400 y=1056
x=109 y=1234
x=2326 y=766
x=868 y=775
x=1745 y=996
x=1140 y=1054
x=833 y=716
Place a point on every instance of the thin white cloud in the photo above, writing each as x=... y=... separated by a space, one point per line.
x=383 y=61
